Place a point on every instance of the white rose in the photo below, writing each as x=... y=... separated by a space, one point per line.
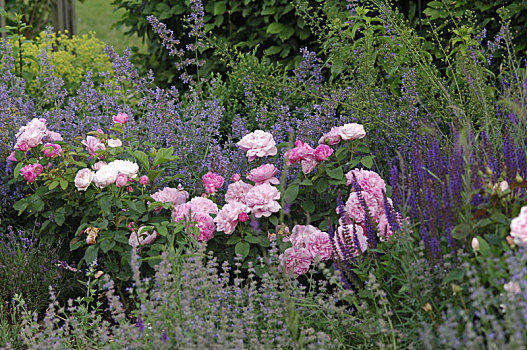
x=83 y=179
x=114 y=143
x=105 y=176
x=352 y=131
x=125 y=167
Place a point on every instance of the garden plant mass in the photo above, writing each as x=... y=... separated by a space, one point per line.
x=271 y=175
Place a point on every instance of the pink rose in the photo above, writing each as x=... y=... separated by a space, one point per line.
x=303 y=153
x=31 y=171
x=142 y=237
x=204 y=205
x=236 y=177
x=345 y=243
x=237 y=191
x=355 y=209
x=369 y=181
x=309 y=164
x=262 y=200
x=319 y=244
x=300 y=234
x=105 y=176
x=175 y=196
x=258 y=144
x=203 y=221
x=53 y=136
x=519 y=228
x=143 y=180
x=322 y=152
x=352 y=131
x=120 y=118
x=121 y=180
x=93 y=144
x=52 y=150
x=98 y=165
x=23 y=147
x=264 y=174
x=228 y=217
x=125 y=167
x=31 y=134
x=12 y=157
x=212 y=182
x=331 y=138
x=83 y=179
x=296 y=260
x=243 y=217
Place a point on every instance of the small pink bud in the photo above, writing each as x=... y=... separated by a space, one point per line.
x=475 y=244
x=131 y=224
x=120 y=118
x=23 y=146
x=236 y=177
x=121 y=181
x=130 y=189
x=100 y=131
x=243 y=217
x=510 y=240
x=204 y=195
x=143 y=180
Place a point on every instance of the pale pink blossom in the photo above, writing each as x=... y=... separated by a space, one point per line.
x=204 y=205
x=105 y=176
x=175 y=196
x=519 y=228
x=114 y=143
x=369 y=181
x=344 y=235
x=237 y=191
x=309 y=164
x=120 y=118
x=204 y=222
x=93 y=144
x=212 y=182
x=296 y=260
x=512 y=288
x=299 y=235
x=125 y=167
x=83 y=179
x=319 y=244
x=303 y=153
x=262 y=200
x=355 y=209
x=352 y=131
x=330 y=138
x=142 y=237
x=31 y=171
x=12 y=157
x=121 y=180
x=258 y=144
x=52 y=150
x=143 y=180
x=53 y=136
x=323 y=152
x=236 y=177
x=384 y=229
x=264 y=174
x=31 y=134
x=229 y=215
x=98 y=165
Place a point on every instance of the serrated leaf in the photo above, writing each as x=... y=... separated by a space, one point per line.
x=75 y=243
x=242 y=248
x=53 y=184
x=321 y=185
x=337 y=173
x=63 y=184
x=461 y=231
x=16 y=172
x=274 y=220
x=142 y=157
x=105 y=203
x=91 y=253
x=273 y=50
x=107 y=244
x=21 y=205
x=367 y=161
x=252 y=239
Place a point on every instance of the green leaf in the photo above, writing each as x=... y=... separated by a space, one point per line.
x=275 y=28
x=53 y=184
x=341 y=154
x=308 y=205
x=286 y=33
x=242 y=248
x=107 y=244
x=337 y=173
x=220 y=7
x=37 y=205
x=63 y=184
x=91 y=253
x=321 y=185
x=252 y=239
x=367 y=161
x=273 y=50
x=454 y=275
x=16 y=172
x=105 y=203
x=290 y=193
x=461 y=231
x=75 y=243
x=21 y=205
x=142 y=157
x=233 y=240
x=274 y=220
x=59 y=216
x=164 y=155
x=484 y=248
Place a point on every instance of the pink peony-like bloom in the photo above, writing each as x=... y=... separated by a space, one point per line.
x=204 y=222
x=143 y=180
x=53 y=136
x=319 y=244
x=355 y=209
x=121 y=180
x=236 y=177
x=98 y=165
x=212 y=182
x=52 y=150
x=264 y=174
x=142 y=237
x=83 y=179
x=323 y=152
x=296 y=260
x=384 y=228
x=369 y=181
x=258 y=144
x=300 y=234
x=120 y=118
x=229 y=215
x=31 y=171
x=237 y=191
x=204 y=205
x=175 y=196
x=262 y=200
x=519 y=228
x=93 y=144
x=330 y=138
x=352 y=131
x=105 y=176
x=114 y=143
x=31 y=134
x=303 y=153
